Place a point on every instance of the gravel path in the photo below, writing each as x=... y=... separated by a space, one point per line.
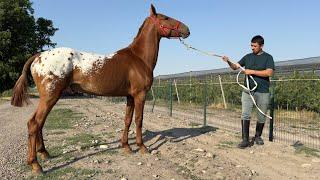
x=13 y=138
x=182 y=151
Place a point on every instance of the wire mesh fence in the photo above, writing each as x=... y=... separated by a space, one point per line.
x=216 y=101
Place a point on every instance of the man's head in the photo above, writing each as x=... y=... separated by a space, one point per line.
x=257 y=44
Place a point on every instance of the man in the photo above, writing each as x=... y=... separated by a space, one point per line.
x=260 y=66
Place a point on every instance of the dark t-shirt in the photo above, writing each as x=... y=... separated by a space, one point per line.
x=258 y=62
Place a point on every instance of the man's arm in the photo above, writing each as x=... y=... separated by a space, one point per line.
x=262 y=73
x=233 y=66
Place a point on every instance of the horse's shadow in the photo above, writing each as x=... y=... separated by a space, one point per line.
x=173 y=135
x=154 y=140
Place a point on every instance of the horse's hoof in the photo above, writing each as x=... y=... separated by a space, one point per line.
x=36 y=169
x=144 y=150
x=45 y=155
x=127 y=150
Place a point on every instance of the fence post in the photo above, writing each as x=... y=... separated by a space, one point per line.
x=271 y=111
x=170 y=98
x=205 y=104
x=222 y=91
x=175 y=84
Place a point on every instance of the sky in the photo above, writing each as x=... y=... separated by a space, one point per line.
x=291 y=28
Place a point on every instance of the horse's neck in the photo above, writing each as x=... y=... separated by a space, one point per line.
x=146 y=45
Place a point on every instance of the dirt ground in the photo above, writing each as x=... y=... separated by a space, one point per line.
x=83 y=138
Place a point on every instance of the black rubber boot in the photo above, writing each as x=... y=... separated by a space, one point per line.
x=259 y=128
x=245 y=135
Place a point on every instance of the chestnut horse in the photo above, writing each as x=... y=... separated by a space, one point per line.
x=128 y=72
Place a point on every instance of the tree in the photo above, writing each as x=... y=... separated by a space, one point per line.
x=21 y=35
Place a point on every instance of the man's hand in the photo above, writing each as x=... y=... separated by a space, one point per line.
x=225 y=58
x=232 y=65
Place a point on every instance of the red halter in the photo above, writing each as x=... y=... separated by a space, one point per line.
x=165 y=30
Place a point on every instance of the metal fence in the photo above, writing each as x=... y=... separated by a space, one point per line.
x=216 y=101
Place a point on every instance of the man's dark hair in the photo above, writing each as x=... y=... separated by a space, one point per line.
x=258 y=39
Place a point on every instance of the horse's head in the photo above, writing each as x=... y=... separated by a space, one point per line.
x=167 y=26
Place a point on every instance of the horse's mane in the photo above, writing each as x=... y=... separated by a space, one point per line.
x=140 y=29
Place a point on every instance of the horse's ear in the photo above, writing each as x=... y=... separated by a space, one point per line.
x=153 y=11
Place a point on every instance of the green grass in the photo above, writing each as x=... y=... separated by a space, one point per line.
x=68 y=173
x=108 y=135
x=186 y=172
x=227 y=144
x=307 y=151
x=107 y=152
x=57 y=132
x=193 y=124
x=61 y=119
x=84 y=140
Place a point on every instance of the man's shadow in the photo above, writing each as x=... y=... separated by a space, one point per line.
x=173 y=135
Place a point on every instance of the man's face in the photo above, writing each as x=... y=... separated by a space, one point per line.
x=256 y=48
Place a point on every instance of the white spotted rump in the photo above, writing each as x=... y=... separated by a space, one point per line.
x=59 y=62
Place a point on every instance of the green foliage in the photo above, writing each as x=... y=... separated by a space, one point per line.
x=298 y=93
x=21 y=35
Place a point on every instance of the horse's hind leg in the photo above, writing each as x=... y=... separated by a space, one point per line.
x=35 y=125
x=41 y=150
x=48 y=98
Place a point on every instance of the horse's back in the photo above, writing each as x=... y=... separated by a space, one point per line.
x=56 y=66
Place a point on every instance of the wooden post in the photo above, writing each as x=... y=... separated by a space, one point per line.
x=223 y=97
x=175 y=84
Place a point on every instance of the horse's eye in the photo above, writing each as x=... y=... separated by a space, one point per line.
x=166 y=18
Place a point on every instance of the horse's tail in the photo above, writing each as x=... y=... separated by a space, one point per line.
x=19 y=93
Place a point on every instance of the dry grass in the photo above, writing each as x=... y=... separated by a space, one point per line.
x=305 y=117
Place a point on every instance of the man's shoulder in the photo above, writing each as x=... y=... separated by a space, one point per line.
x=248 y=55
x=267 y=55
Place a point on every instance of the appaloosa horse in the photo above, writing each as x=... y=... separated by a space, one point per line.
x=128 y=72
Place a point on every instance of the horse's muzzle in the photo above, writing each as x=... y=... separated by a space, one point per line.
x=185 y=32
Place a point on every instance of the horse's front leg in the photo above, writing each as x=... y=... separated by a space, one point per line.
x=127 y=122
x=139 y=101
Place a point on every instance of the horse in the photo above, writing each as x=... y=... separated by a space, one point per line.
x=127 y=72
